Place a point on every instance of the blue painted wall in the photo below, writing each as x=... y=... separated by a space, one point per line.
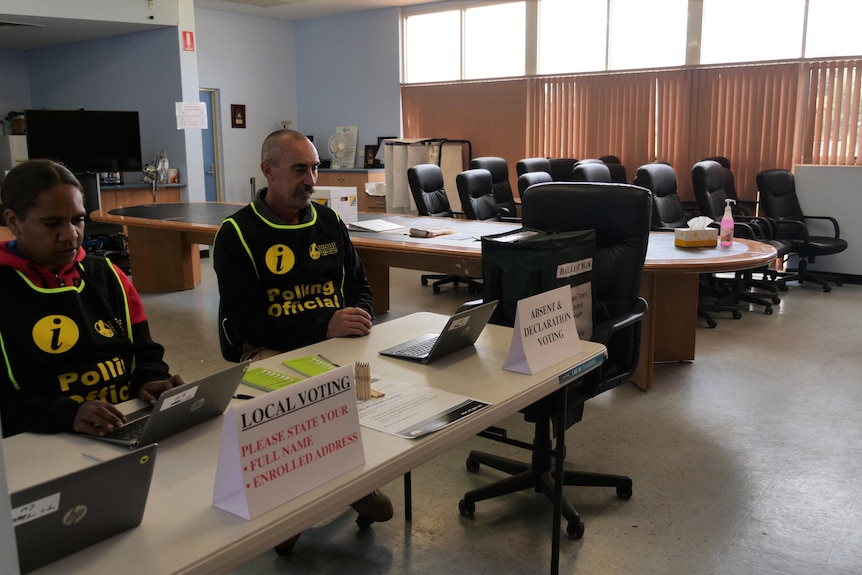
x=348 y=75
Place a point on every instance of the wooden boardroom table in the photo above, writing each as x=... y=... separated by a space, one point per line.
x=182 y=533
x=165 y=258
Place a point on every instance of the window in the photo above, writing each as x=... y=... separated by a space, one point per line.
x=647 y=34
x=833 y=28
x=432 y=47
x=494 y=41
x=491 y=39
x=769 y=30
x=561 y=50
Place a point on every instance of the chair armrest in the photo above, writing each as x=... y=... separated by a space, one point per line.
x=831 y=219
x=782 y=224
x=603 y=331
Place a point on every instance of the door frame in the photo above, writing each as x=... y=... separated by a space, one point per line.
x=217 y=141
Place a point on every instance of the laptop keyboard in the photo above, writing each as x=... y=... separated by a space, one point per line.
x=129 y=432
x=419 y=349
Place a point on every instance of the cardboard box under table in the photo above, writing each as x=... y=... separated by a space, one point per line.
x=695 y=238
x=342 y=199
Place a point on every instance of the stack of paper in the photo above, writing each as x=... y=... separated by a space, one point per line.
x=376 y=226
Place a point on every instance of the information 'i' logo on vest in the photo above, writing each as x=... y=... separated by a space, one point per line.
x=55 y=334
x=313 y=252
x=280 y=259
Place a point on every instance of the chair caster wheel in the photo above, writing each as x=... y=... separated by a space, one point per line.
x=363 y=522
x=776 y=300
x=768 y=310
x=625 y=491
x=436 y=289
x=466 y=508
x=711 y=323
x=736 y=314
x=472 y=466
x=575 y=529
x=827 y=289
x=424 y=281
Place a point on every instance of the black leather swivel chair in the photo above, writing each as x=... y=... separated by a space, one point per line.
x=533 y=165
x=779 y=203
x=531 y=179
x=561 y=169
x=475 y=188
x=620 y=216
x=616 y=168
x=500 y=183
x=708 y=179
x=426 y=185
x=591 y=171
x=667 y=215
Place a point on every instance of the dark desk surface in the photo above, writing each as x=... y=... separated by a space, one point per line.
x=210 y=213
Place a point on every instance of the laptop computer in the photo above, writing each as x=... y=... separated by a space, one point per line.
x=178 y=409
x=462 y=330
x=63 y=515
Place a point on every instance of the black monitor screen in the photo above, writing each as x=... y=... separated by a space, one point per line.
x=86 y=140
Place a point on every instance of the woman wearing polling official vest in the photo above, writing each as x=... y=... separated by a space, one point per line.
x=74 y=337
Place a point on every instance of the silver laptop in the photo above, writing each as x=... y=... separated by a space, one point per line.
x=461 y=331
x=61 y=516
x=179 y=409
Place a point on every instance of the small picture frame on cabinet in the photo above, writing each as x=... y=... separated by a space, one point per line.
x=370 y=152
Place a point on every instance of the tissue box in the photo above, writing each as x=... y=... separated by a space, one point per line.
x=342 y=199
x=689 y=238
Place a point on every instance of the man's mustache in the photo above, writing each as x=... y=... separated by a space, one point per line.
x=302 y=188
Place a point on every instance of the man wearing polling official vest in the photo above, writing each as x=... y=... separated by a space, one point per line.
x=288 y=274
x=75 y=338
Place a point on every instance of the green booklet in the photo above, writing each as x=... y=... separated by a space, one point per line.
x=267 y=379
x=310 y=365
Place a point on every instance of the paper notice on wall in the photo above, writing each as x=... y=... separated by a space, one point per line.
x=191 y=115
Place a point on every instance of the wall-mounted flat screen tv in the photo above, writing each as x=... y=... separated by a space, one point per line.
x=86 y=140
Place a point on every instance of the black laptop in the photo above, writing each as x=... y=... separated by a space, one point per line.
x=461 y=331
x=179 y=408
x=61 y=516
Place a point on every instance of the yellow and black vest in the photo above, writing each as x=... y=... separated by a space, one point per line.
x=73 y=341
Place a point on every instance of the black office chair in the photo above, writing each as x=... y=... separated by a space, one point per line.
x=708 y=178
x=620 y=216
x=426 y=185
x=500 y=184
x=528 y=165
x=592 y=170
x=476 y=191
x=561 y=169
x=779 y=203
x=667 y=215
x=530 y=179
x=616 y=168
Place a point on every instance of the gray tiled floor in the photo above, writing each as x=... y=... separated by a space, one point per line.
x=744 y=462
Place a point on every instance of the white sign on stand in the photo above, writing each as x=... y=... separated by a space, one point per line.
x=545 y=332
x=281 y=444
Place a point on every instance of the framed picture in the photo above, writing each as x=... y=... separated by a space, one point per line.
x=237 y=115
x=380 y=151
x=370 y=152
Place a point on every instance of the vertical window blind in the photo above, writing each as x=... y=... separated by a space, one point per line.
x=760 y=116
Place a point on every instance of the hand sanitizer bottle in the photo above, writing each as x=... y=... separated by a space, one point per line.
x=726 y=231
